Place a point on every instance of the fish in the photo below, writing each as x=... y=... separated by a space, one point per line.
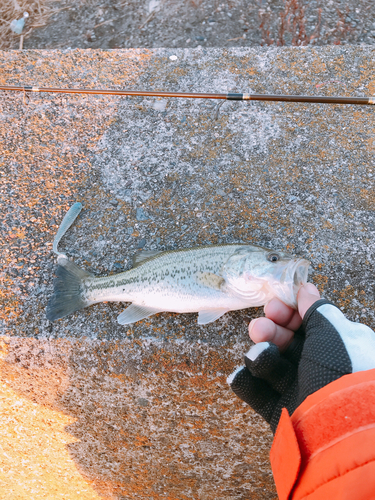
x=210 y=280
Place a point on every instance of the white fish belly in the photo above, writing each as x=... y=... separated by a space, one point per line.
x=180 y=296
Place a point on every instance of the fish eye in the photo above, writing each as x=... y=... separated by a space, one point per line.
x=273 y=257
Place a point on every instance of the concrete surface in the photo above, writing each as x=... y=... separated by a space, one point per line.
x=91 y=409
x=114 y=24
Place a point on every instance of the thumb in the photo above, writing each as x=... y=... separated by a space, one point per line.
x=307 y=295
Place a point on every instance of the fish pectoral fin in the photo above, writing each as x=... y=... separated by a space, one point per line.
x=144 y=256
x=210 y=315
x=211 y=280
x=135 y=313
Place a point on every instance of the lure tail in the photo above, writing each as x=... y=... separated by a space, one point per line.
x=67 y=221
x=68 y=295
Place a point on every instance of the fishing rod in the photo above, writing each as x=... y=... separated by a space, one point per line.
x=198 y=95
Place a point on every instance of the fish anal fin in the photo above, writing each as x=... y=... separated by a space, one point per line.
x=210 y=315
x=135 y=313
x=211 y=280
x=144 y=256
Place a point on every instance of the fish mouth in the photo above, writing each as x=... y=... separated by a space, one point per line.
x=300 y=271
x=294 y=277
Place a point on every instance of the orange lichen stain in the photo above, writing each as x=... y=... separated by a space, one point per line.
x=9 y=304
x=17 y=233
x=35 y=461
x=251 y=71
x=321 y=281
x=142 y=441
x=317 y=65
x=367 y=197
x=344 y=297
x=370 y=144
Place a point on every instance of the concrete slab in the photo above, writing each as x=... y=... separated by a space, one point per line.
x=93 y=409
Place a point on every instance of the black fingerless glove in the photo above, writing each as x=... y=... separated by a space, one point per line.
x=326 y=347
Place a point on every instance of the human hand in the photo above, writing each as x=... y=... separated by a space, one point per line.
x=298 y=353
x=281 y=321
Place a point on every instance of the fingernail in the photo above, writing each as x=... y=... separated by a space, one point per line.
x=252 y=323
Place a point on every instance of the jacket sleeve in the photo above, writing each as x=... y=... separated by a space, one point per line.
x=326 y=448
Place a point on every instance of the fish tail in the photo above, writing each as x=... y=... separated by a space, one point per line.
x=68 y=293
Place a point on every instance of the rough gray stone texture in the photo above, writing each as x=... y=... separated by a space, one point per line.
x=114 y=24
x=154 y=416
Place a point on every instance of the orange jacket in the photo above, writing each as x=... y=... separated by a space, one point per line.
x=326 y=449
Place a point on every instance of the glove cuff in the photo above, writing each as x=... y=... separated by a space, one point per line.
x=332 y=430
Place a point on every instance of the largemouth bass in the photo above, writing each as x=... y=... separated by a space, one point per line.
x=210 y=280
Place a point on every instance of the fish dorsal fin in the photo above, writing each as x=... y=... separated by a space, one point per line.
x=210 y=315
x=144 y=256
x=211 y=280
x=135 y=313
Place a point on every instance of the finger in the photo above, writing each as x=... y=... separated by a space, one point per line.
x=264 y=361
x=294 y=350
x=282 y=314
x=306 y=297
x=265 y=330
x=255 y=392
